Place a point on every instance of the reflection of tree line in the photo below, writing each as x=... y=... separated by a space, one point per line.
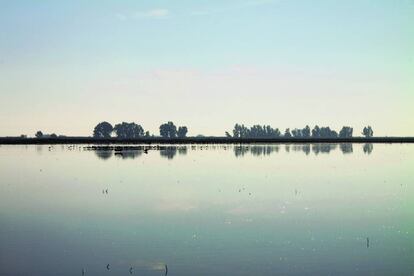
x=256 y=150
x=322 y=148
x=368 y=148
x=169 y=152
x=132 y=152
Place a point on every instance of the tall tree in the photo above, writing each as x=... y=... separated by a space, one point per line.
x=323 y=132
x=182 y=131
x=236 y=131
x=39 y=134
x=168 y=130
x=287 y=133
x=326 y=132
x=346 y=132
x=367 y=131
x=297 y=133
x=306 y=132
x=128 y=130
x=316 y=132
x=103 y=130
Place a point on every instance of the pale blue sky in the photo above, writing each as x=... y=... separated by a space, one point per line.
x=66 y=65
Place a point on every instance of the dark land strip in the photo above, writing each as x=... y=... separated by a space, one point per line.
x=198 y=140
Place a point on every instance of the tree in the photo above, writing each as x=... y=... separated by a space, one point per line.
x=240 y=131
x=306 y=132
x=103 y=130
x=53 y=135
x=39 y=134
x=271 y=132
x=236 y=131
x=346 y=132
x=228 y=135
x=256 y=131
x=182 y=131
x=128 y=130
x=368 y=132
x=168 y=130
x=297 y=133
x=287 y=133
x=316 y=132
x=324 y=132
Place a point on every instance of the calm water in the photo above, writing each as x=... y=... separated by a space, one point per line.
x=261 y=210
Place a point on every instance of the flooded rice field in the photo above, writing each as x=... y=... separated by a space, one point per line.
x=303 y=209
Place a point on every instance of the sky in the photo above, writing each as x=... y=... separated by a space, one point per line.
x=67 y=65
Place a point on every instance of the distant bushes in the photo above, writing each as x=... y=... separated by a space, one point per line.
x=40 y=134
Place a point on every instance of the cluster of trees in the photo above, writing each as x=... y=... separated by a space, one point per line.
x=129 y=130
x=258 y=131
x=368 y=132
x=240 y=131
x=319 y=132
x=169 y=130
x=40 y=134
x=132 y=130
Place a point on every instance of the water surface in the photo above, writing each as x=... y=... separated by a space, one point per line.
x=323 y=209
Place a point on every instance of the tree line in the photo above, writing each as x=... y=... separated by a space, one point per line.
x=266 y=131
x=133 y=130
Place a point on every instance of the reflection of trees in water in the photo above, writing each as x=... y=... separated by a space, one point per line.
x=323 y=148
x=132 y=152
x=240 y=151
x=103 y=154
x=287 y=148
x=128 y=154
x=263 y=150
x=368 y=147
x=171 y=151
x=182 y=150
x=306 y=149
x=346 y=148
x=168 y=152
x=255 y=150
x=124 y=152
x=300 y=147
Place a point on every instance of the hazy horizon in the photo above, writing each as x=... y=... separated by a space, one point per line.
x=67 y=65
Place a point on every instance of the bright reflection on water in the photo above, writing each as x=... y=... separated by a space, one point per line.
x=207 y=210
